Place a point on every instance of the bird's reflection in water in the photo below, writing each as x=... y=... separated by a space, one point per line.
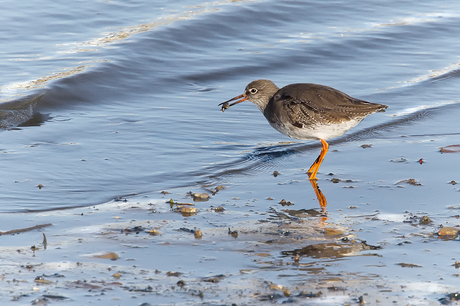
x=320 y=196
x=333 y=249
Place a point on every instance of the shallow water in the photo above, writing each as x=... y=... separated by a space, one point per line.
x=109 y=99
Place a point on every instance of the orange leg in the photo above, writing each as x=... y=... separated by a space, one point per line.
x=314 y=168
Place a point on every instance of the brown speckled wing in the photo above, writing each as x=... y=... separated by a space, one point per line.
x=311 y=104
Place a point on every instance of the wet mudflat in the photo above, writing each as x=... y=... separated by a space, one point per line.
x=260 y=239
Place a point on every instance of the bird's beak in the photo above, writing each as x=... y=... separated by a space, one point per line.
x=225 y=104
x=243 y=96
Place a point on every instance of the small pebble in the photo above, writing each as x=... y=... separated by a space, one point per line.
x=448 y=231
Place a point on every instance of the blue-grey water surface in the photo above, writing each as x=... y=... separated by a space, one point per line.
x=130 y=90
x=101 y=100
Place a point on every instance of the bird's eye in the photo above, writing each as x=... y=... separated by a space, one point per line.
x=253 y=91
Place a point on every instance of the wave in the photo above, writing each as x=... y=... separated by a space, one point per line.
x=15 y=112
